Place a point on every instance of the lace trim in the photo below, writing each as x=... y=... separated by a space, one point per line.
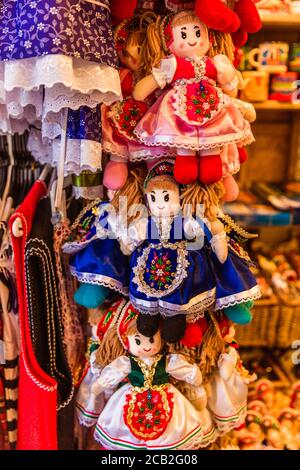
x=181 y=269
x=148 y=154
x=195 y=308
x=86 y=417
x=90 y=193
x=100 y=279
x=63 y=75
x=185 y=443
x=108 y=147
x=234 y=226
x=227 y=424
x=242 y=138
x=252 y=294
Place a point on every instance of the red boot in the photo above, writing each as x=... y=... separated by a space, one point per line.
x=186 y=169
x=210 y=168
x=243 y=155
x=248 y=15
x=216 y=15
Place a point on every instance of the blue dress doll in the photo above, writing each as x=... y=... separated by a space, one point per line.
x=172 y=277
x=96 y=259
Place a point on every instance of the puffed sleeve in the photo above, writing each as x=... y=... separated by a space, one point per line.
x=165 y=72
x=180 y=369
x=114 y=373
x=227 y=75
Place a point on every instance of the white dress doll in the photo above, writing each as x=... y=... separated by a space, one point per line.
x=227 y=388
x=89 y=406
x=146 y=412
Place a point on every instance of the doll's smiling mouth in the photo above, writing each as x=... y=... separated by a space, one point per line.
x=147 y=350
x=161 y=208
x=194 y=44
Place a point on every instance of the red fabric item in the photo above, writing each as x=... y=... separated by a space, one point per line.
x=243 y=155
x=186 y=169
x=192 y=336
x=210 y=169
x=37 y=416
x=216 y=15
x=247 y=12
x=239 y=38
x=185 y=69
x=121 y=10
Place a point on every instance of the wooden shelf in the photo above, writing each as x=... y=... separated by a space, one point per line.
x=281 y=20
x=272 y=105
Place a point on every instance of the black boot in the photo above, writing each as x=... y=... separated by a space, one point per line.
x=147 y=325
x=174 y=328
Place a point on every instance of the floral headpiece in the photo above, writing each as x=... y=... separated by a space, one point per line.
x=163 y=167
x=123 y=31
x=127 y=314
x=109 y=318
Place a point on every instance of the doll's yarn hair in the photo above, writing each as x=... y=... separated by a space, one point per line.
x=132 y=190
x=221 y=44
x=206 y=195
x=212 y=346
x=111 y=347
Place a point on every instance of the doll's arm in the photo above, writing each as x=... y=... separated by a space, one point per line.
x=159 y=78
x=182 y=370
x=246 y=109
x=112 y=375
x=227 y=76
x=135 y=235
x=227 y=363
x=219 y=240
x=192 y=228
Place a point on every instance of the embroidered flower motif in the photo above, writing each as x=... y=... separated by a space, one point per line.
x=53 y=11
x=5 y=30
x=20 y=33
x=86 y=42
x=56 y=41
x=202 y=101
x=33 y=4
x=77 y=54
x=71 y=17
x=160 y=270
x=40 y=26
x=69 y=32
x=27 y=44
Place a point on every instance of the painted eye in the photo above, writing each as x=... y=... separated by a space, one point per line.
x=198 y=33
x=183 y=35
x=151 y=340
x=167 y=198
x=152 y=198
x=138 y=341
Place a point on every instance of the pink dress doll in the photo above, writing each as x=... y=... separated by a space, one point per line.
x=119 y=120
x=195 y=114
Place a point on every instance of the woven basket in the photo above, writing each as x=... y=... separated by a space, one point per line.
x=262 y=330
x=288 y=329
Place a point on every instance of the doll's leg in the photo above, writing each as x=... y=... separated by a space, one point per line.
x=216 y=15
x=115 y=173
x=148 y=325
x=231 y=189
x=174 y=328
x=186 y=166
x=210 y=166
x=90 y=295
x=243 y=155
x=239 y=313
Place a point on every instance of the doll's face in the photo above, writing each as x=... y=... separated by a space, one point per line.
x=164 y=202
x=132 y=57
x=142 y=346
x=190 y=39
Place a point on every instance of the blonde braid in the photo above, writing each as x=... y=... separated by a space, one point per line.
x=207 y=195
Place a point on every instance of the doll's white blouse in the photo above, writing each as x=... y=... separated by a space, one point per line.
x=164 y=74
x=176 y=366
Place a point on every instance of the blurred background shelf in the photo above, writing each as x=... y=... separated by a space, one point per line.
x=281 y=20
x=277 y=105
